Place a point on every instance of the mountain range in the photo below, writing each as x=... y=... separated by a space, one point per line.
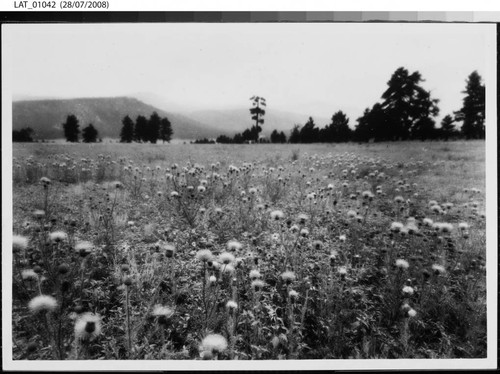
x=46 y=116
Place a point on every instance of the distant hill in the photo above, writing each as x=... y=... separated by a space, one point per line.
x=237 y=120
x=106 y=114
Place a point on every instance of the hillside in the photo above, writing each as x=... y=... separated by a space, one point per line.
x=106 y=114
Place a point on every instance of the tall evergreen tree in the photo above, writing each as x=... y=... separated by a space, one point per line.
x=295 y=134
x=71 y=128
x=153 y=128
x=166 y=131
x=141 y=129
x=338 y=130
x=89 y=134
x=309 y=133
x=407 y=104
x=23 y=135
x=472 y=113
x=447 y=127
x=257 y=113
x=127 y=132
x=374 y=124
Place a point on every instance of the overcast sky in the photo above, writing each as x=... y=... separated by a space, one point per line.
x=310 y=68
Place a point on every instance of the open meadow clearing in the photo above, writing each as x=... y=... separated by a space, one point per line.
x=135 y=251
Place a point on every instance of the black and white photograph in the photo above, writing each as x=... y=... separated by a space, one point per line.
x=259 y=191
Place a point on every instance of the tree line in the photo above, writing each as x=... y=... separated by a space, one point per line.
x=146 y=130
x=406 y=112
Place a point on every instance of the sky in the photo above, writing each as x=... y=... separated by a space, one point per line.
x=309 y=68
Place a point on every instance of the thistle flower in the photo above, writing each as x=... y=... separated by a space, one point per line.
x=428 y=222
x=408 y=290
x=204 y=255
x=412 y=313
x=234 y=245
x=213 y=343
x=231 y=305
x=45 y=181
x=438 y=269
x=169 y=250
x=275 y=237
x=463 y=226
x=294 y=228
x=84 y=248
x=162 y=311
x=402 y=264
x=396 y=226
x=443 y=227
x=38 y=213
x=229 y=269
x=399 y=199
x=88 y=327
x=212 y=279
x=58 y=236
x=174 y=194
x=29 y=274
x=19 y=243
x=317 y=244
x=351 y=214
x=42 y=302
x=255 y=274
x=288 y=276
x=304 y=232
x=293 y=294
x=226 y=258
x=277 y=215
x=342 y=271
x=201 y=189
x=257 y=285
x=302 y=218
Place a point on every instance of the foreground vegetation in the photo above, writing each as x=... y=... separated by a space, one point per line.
x=249 y=252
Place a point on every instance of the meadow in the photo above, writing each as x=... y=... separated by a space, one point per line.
x=249 y=252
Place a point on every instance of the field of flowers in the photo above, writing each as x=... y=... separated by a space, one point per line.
x=249 y=252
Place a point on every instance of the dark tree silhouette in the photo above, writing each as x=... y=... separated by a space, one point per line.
x=257 y=113
x=309 y=133
x=24 y=135
x=472 y=113
x=407 y=104
x=153 y=128
x=127 y=132
x=295 y=134
x=278 y=137
x=89 y=134
x=141 y=129
x=166 y=131
x=373 y=125
x=447 y=128
x=71 y=128
x=338 y=130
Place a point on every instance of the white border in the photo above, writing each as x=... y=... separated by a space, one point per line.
x=460 y=364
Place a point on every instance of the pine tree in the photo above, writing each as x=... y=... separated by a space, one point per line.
x=140 y=130
x=71 y=129
x=338 y=130
x=472 y=113
x=447 y=127
x=153 y=128
x=127 y=132
x=166 y=131
x=89 y=134
x=257 y=113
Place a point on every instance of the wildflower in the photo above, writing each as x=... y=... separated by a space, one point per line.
x=234 y=245
x=201 y=189
x=231 y=305
x=226 y=258
x=294 y=228
x=342 y=271
x=402 y=264
x=304 y=232
x=229 y=269
x=163 y=313
x=257 y=285
x=330 y=186
x=252 y=191
x=412 y=313
x=288 y=277
x=58 y=236
x=428 y=222
x=275 y=237
x=398 y=199
x=438 y=269
x=84 y=248
x=463 y=226
x=19 y=243
x=174 y=194
x=443 y=227
x=351 y=214
x=29 y=274
x=118 y=185
x=42 y=302
x=254 y=274
x=212 y=279
x=293 y=295
x=408 y=290
x=302 y=218
x=277 y=215
x=342 y=238
x=213 y=343
x=88 y=327
x=396 y=226
x=318 y=244
x=39 y=213
x=45 y=181
x=204 y=255
x=368 y=195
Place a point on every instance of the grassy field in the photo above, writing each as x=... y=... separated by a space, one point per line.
x=131 y=251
